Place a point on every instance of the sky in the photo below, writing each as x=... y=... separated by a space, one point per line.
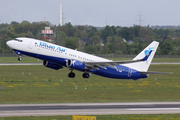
x=93 y=12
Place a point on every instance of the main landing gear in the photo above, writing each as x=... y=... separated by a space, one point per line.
x=19 y=58
x=85 y=75
x=72 y=74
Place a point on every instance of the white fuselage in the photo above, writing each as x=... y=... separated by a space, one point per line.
x=49 y=49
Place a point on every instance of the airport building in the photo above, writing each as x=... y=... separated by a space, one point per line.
x=47 y=33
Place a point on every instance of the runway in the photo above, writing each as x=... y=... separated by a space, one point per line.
x=89 y=109
x=154 y=63
x=20 y=63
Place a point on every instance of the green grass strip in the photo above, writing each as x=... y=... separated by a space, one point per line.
x=38 y=84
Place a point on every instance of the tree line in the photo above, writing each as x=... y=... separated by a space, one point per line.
x=105 y=40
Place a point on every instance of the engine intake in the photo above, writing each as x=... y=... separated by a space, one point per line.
x=75 y=64
x=69 y=63
x=52 y=65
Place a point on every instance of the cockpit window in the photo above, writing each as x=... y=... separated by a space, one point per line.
x=18 y=40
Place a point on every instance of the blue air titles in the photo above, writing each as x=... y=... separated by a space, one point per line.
x=47 y=46
x=60 y=49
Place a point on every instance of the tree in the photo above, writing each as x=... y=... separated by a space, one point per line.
x=91 y=49
x=109 y=39
x=14 y=22
x=60 y=37
x=94 y=29
x=84 y=34
x=126 y=33
x=29 y=34
x=113 y=28
x=105 y=49
x=91 y=34
x=106 y=32
x=166 y=47
x=69 y=25
x=137 y=31
x=10 y=33
x=95 y=40
x=118 y=44
x=146 y=34
x=71 y=43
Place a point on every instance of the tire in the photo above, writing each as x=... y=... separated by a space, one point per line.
x=85 y=75
x=19 y=58
x=71 y=75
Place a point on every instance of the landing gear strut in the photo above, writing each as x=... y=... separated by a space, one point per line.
x=19 y=58
x=85 y=75
x=71 y=74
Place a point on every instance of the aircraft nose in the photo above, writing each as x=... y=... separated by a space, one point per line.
x=9 y=43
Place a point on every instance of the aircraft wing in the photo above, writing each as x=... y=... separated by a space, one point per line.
x=95 y=65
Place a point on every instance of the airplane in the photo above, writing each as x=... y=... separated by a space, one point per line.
x=56 y=57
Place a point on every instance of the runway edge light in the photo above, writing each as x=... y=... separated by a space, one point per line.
x=75 y=117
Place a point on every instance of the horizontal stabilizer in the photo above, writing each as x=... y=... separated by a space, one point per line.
x=149 y=72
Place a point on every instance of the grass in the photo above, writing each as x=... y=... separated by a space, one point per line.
x=34 y=60
x=38 y=84
x=104 y=117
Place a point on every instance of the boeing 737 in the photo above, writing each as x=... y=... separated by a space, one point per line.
x=57 y=57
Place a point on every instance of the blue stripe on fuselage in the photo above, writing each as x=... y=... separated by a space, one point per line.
x=60 y=61
x=121 y=72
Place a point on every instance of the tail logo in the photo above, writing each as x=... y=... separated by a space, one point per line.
x=147 y=51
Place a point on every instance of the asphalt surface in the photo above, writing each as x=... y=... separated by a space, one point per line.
x=20 y=63
x=89 y=109
x=76 y=107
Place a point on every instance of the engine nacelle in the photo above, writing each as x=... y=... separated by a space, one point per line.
x=52 y=65
x=17 y=52
x=75 y=64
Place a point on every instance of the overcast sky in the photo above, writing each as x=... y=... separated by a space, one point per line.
x=93 y=12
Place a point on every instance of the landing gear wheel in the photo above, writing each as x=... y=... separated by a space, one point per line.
x=71 y=75
x=19 y=58
x=85 y=75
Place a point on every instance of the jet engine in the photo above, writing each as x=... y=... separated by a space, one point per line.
x=17 y=52
x=75 y=64
x=52 y=65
